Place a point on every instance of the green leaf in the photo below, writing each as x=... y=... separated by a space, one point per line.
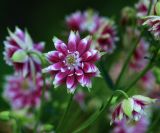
x=19 y=56
x=127 y=106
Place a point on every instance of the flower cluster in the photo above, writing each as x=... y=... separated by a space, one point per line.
x=23 y=89
x=73 y=64
x=102 y=29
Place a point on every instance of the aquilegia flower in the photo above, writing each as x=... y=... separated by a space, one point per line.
x=134 y=127
x=142 y=7
x=153 y=22
x=18 y=46
x=23 y=92
x=75 y=21
x=138 y=61
x=73 y=64
x=131 y=108
x=107 y=35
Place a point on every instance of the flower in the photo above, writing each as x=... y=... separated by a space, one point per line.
x=148 y=81
x=23 y=92
x=142 y=7
x=153 y=22
x=124 y=127
x=106 y=35
x=138 y=61
x=131 y=108
x=17 y=48
x=92 y=21
x=75 y=21
x=73 y=64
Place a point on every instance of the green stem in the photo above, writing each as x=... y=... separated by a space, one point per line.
x=126 y=62
x=125 y=65
x=145 y=70
x=65 y=114
x=38 y=116
x=105 y=75
x=99 y=112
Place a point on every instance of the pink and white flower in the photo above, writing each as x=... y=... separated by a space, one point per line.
x=153 y=22
x=18 y=46
x=131 y=108
x=75 y=21
x=23 y=92
x=138 y=61
x=92 y=21
x=148 y=81
x=135 y=127
x=107 y=35
x=142 y=7
x=73 y=64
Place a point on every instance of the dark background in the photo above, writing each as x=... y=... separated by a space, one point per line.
x=44 y=19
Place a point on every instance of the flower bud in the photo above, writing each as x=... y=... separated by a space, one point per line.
x=128 y=14
x=157 y=8
x=5 y=115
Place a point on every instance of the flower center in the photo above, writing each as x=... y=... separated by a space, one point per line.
x=72 y=59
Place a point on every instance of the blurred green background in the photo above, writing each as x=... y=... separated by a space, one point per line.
x=44 y=19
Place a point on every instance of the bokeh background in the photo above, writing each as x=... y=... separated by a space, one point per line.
x=45 y=19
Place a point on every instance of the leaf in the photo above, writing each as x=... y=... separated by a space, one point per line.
x=127 y=106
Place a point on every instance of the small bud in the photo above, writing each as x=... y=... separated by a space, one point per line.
x=157 y=8
x=128 y=14
x=19 y=56
x=5 y=115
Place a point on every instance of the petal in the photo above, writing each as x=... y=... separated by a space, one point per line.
x=89 y=68
x=39 y=46
x=55 y=56
x=72 y=42
x=60 y=45
x=91 y=56
x=70 y=81
x=60 y=78
x=84 y=45
x=54 y=67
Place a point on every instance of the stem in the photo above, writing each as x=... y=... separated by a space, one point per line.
x=106 y=76
x=145 y=70
x=125 y=65
x=42 y=95
x=65 y=113
x=99 y=112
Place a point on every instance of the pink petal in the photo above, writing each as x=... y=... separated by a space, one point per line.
x=89 y=68
x=70 y=81
x=55 y=56
x=39 y=46
x=54 y=67
x=72 y=42
x=60 y=45
x=84 y=45
x=91 y=56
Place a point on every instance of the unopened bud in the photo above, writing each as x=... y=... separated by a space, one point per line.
x=5 y=115
x=157 y=8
